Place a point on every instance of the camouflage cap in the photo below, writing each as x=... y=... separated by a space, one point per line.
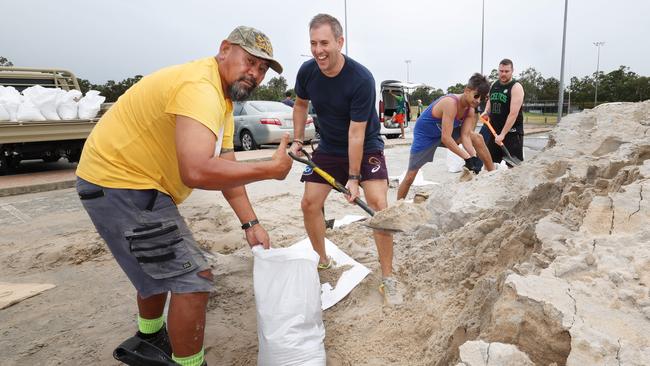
x=256 y=43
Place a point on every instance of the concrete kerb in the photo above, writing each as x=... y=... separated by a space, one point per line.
x=51 y=186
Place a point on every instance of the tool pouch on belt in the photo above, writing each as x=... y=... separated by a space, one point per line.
x=161 y=250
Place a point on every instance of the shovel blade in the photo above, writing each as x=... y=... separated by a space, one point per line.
x=509 y=158
x=383 y=228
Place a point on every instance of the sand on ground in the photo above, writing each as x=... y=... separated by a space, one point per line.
x=550 y=258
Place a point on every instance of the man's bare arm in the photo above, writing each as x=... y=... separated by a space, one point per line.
x=466 y=129
x=449 y=111
x=200 y=169
x=356 y=137
x=300 y=107
x=237 y=197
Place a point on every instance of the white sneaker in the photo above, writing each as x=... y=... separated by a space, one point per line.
x=392 y=295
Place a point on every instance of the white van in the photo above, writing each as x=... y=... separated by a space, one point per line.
x=388 y=104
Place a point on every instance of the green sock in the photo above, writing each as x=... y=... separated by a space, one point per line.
x=194 y=360
x=150 y=326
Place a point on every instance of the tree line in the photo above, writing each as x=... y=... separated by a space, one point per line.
x=111 y=89
x=620 y=85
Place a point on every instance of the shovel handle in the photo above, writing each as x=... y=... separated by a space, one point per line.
x=329 y=179
x=511 y=159
x=486 y=120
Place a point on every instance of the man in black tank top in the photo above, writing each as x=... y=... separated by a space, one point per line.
x=504 y=109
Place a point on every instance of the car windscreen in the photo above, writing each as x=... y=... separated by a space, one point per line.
x=263 y=106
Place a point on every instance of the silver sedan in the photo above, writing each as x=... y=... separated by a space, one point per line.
x=260 y=122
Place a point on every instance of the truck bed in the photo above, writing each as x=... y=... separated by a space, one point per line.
x=18 y=132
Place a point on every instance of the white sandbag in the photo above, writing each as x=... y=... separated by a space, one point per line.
x=10 y=100
x=68 y=110
x=90 y=105
x=27 y=111
x=12 y=109
x=4 y=115
x=68 y=104
x=45 y=99
x=290 y=326
x=454 y=162
x=501 y=166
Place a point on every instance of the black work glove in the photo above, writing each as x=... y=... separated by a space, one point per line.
x=473 y=164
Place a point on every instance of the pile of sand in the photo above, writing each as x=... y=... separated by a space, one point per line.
x=400 y=216
x=545 y=263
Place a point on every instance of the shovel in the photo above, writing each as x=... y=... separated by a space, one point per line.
x=336 y=185
x=339 y=187
x=507 y=157
x=138 y=352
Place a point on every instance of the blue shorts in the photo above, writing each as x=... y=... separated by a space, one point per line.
x=148 y=238
x=417 y=159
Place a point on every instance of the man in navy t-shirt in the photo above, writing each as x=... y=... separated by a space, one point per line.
x=342 y=92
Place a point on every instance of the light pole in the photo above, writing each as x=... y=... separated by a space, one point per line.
x=482 y=34
x=345 y=10
x=598 y=45
x=408 y=62
x=560 y=98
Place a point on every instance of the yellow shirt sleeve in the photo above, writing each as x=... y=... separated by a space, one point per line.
x=199 y=101
x=228 y=133
x=202 y=102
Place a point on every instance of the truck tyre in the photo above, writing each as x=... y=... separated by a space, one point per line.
x=247 y=141
x=51 y=158
x=74 y=155
x=8 y=164
x=3 y=165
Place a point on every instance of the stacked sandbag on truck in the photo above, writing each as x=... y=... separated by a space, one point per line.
x=44 y=115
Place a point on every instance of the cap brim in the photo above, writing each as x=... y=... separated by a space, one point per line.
x=272 y=63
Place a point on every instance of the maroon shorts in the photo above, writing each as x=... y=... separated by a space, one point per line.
x=373 y=166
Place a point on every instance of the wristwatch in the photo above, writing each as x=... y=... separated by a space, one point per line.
x=250 y=224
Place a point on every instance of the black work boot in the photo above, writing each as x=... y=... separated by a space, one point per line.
x=159 y=339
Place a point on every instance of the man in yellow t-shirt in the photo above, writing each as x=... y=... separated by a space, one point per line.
x=169 y=133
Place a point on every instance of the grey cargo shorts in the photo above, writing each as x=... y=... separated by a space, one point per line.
x=148 y=238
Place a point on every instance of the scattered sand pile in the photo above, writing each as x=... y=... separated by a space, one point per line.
x=547 y=263
x=401 y=216
x=332 y=274
x=552 y=257
x=466 y=175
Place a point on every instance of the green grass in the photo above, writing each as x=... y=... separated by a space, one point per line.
x=540 y=118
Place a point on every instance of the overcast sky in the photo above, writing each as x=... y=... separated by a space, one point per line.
x=122 y=38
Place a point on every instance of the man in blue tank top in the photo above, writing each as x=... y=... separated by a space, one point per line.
x=342 y=92
x=448 y=121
